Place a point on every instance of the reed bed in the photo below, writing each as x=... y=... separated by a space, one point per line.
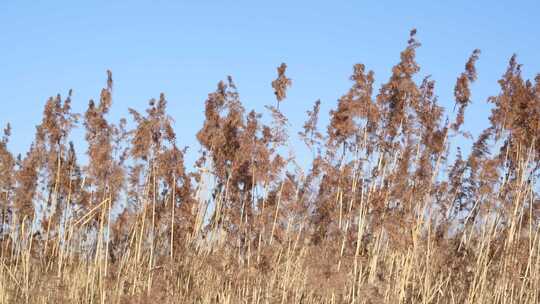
x=389 y=210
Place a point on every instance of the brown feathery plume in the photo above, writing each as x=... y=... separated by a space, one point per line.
x=516 y=115
x=410 y=146
x=429 y=114
x=162 y=164
x=51 y=147
x=311 y=135
x=219 y=134
x=462 y=91
x=104 y=177
x=271 y=208
x=74 y=180
x=470 y=176
x=356 y=115
x=105 y=172
x=230 y=141
x=432 y=135
x=178 y=190
x=26 y=178
x=455 y=196
x=243 y=155
x=278 y=127
x=515 y=122
x=7 y=168
x=220 y=138
x=356 y=104
x=400 y=93
x=281 y=84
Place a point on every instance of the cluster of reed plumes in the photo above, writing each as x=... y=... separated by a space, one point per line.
x=387 y=212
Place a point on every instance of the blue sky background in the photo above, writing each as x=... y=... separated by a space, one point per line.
x=184 y=48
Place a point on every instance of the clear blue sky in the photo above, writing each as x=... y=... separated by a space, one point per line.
x=183 y=48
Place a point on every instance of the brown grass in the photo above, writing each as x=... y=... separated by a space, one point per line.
x=385 y=214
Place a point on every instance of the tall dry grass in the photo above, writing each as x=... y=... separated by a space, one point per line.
x=388 y=212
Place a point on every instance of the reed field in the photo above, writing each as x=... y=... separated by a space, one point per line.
x=389 y=209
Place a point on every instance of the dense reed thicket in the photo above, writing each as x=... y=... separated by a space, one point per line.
x=387 y=212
